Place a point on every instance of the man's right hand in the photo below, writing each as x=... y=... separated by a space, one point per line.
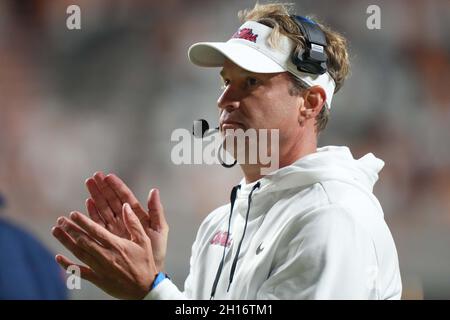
x=109 y=193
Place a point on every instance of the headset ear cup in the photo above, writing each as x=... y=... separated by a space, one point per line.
x=300 y=60
x=323 y=68
x=310 y=59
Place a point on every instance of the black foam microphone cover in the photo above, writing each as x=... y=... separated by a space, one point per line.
x=199 y=128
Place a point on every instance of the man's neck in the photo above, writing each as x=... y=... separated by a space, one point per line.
x=252 y=172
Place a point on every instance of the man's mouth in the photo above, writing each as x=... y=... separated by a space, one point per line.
x=231 y=125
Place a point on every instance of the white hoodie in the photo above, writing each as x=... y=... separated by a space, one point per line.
x=315 y=231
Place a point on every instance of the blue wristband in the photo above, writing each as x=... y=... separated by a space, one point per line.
x=159 y=277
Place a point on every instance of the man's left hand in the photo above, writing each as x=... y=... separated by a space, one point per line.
x=122 y=268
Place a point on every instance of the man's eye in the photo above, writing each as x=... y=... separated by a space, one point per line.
x=225 y=83
x=252 y=81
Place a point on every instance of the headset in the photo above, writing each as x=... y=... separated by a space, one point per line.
x=313 y=58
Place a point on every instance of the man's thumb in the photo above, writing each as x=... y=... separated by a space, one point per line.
x=133 y=224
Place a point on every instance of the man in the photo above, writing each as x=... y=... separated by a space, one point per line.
x=310 y=230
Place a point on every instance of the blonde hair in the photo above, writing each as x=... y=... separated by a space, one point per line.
x=277 y=16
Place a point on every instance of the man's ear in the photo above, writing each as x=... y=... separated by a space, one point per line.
x=313 y=101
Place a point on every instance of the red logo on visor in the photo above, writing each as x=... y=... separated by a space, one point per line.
x=245 y=33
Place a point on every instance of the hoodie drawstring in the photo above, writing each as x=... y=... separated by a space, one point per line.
x=233 y=266
x=219 y=270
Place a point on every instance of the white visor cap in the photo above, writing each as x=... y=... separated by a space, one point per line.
x=249 y=49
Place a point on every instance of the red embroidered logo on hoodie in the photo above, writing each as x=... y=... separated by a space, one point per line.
x=220 y=238
x=245 y=33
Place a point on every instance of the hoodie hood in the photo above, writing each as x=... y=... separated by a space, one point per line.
x=328 y=163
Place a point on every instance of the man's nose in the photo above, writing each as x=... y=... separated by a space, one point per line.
x=229 y=99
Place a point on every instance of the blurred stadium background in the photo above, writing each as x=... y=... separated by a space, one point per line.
x=108 y=97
